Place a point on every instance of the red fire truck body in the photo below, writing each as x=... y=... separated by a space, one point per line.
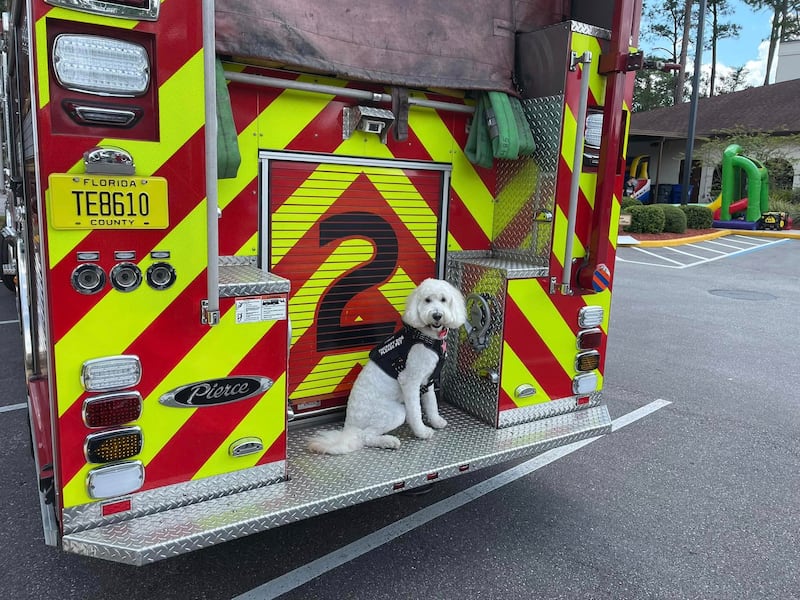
x=215 y=210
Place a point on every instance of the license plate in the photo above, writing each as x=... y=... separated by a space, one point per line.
x=107 y=202
x=770 y=220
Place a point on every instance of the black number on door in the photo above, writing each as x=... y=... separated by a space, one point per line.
x=331 y=334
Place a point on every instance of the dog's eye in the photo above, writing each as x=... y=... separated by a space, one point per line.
x=444 y=300
x=427 y=299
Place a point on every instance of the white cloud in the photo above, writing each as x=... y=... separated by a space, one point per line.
x=755 y=68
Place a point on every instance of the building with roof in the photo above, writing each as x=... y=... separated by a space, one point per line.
x=661 y=134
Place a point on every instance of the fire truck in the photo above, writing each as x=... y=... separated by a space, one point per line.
x=216 y=209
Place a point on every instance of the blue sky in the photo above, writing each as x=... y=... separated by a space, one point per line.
x=749 y=49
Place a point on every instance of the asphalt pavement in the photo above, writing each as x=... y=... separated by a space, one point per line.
x=695 y=500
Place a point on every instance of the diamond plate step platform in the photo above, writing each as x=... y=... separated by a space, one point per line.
x=320 y=484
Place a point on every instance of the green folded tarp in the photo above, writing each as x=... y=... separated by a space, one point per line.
x=228 y=156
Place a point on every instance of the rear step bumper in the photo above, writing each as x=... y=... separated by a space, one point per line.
x=320 y=484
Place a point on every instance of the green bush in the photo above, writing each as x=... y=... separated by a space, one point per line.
x=628 y=201
x=674 y=218
x=646 y=219
x=698 y=217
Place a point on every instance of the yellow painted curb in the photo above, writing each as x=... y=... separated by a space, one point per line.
x=791 y=234
x=686 y=240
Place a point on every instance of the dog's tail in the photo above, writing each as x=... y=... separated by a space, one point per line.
x=342 y=441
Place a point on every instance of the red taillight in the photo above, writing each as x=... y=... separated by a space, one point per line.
x=112 y=409
x=589 y=339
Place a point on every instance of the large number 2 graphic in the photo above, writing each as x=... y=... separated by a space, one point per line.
x=331 y=334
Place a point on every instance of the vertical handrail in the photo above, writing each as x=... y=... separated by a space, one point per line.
x=577 y=162
x=211 y=312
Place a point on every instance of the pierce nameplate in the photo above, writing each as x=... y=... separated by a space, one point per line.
x=214 y=392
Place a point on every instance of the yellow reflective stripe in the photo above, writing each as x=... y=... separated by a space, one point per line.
x=181 y=115
x=290 y=113
x=515 y=195
x=118 y=319
x=545 y=320
x=294 y=213
x=260 y=422
x=331 y=370
x=42 y=63
x=347 y=255
x=159 y=423
x=580 y=44
x=516 y=373
x=397 y=289
x=442 y=147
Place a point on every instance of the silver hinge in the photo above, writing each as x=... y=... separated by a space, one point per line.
x=208 y=317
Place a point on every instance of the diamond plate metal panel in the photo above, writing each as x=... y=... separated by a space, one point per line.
x=544 y=410
x=525 y=201
x=320 y=484
x=248 y=280
x=77 y=518
x=466 y=375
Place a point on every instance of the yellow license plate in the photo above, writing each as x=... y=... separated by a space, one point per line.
x=107 y=202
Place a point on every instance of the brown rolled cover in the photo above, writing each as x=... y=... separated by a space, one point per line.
x=456 y=44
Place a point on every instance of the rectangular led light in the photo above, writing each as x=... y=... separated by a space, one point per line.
x=587 y=361
x=111 y=373
x=113 y=445
x=589 y=339
x=115 y=480
x=100 y=65
x=113 y=409
x=590 y=316
x=584 y=383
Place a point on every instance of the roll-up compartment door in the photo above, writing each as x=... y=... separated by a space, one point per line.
x=354 y=240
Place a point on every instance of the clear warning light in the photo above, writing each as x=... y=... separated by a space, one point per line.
x=101 y=65
x=111 y=373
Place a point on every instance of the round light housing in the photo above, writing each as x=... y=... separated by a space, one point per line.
x=88 y=279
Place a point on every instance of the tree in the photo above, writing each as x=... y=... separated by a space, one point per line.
x=687 y=29
x=785 y=25
x=719 y=30
x=769 y=147
x=653 y=89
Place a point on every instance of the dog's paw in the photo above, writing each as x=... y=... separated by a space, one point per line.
x=438 y=422
x=424 y=432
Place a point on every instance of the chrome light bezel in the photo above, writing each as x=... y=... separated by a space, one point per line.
x=149 y=12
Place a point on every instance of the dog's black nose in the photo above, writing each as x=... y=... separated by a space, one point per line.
x=437 y=316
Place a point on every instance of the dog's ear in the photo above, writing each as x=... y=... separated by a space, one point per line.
x=459 y=307
x=411 y=314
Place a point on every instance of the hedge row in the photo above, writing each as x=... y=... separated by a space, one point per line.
x=658 y=218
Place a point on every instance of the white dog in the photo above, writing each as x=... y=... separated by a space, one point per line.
x=387 y=391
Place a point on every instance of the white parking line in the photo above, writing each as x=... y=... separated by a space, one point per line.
x=9 y=322
x=743 y=240
x=724 y=245
x=706 y=249
x=11 y=407
x=302 y=575
x=685 y=253
x=658 y=256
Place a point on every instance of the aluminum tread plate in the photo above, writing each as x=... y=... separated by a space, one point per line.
x=320 y=484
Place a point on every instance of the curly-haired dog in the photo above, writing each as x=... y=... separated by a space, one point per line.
x=387 y=391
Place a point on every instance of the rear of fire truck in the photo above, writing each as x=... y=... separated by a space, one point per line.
x=217 y=209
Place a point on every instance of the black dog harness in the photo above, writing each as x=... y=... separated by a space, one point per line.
x=392 y=353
